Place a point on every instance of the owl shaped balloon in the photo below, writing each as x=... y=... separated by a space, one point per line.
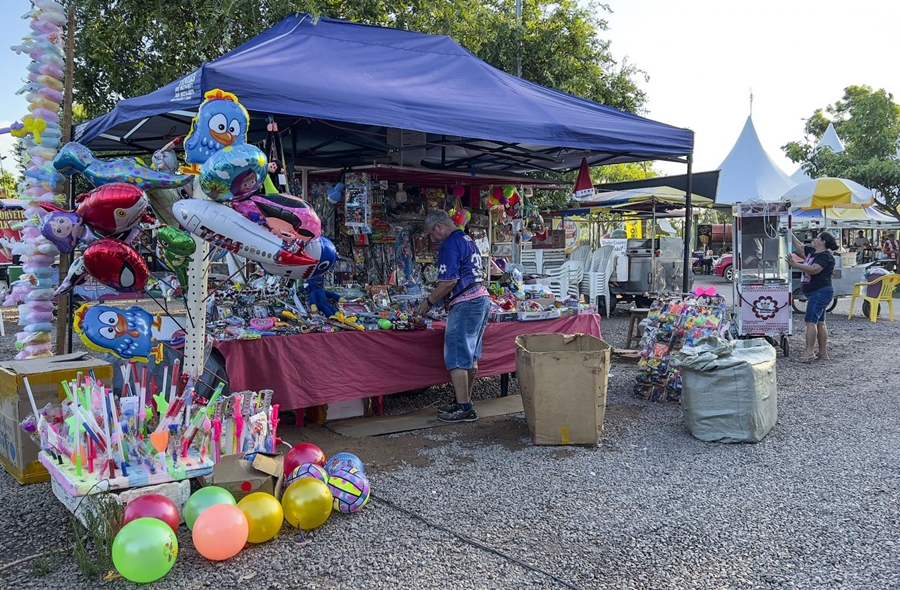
x=221 y=122
x=125 y=333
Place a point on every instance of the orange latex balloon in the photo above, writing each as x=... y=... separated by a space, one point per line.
x=159 y=440
x=220 y=532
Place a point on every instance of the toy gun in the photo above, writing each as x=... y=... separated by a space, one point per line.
x=173 y=414
x=194 y=427
x=238 y=423
x=343 y=321
x=217 y=432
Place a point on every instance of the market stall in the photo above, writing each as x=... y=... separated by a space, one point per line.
x=327 y=274
x=647 y=266
x=304 y=370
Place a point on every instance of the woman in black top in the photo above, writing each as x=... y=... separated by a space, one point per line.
x=817 y=268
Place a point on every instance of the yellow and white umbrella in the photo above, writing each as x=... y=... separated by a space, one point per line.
x=827 y=192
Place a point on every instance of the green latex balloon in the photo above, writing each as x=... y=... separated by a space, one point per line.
x=384 y=324
x=203 y=499
x=145 y=550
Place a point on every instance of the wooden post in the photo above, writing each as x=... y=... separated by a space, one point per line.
x=62 y=304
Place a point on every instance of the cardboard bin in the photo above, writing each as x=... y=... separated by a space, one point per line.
x=243 y=474
x=563 y=380
x=19 y=454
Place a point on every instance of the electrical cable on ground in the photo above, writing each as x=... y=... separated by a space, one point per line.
x=473 y=542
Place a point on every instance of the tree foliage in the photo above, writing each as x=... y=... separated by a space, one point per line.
x=868 y=123
x=128 y=48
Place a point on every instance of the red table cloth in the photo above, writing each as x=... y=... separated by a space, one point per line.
x=309 y=370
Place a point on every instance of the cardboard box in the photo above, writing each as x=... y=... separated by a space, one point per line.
x=18 y=453
x=351 y=408
x=251 y=472
x=563 y=381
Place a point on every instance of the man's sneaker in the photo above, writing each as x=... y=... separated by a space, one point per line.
x=451 y=407
x=459 y=415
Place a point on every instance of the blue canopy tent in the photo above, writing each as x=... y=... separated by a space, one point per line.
x=343 y=85
x=353 y=95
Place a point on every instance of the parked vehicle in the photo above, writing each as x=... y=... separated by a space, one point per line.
x=723 y=266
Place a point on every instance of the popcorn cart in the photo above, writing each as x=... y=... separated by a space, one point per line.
x=762 y=279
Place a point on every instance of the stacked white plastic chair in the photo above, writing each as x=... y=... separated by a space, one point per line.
x=530 y=262
x=564 y=280
x=596 y=280
x=551 y=259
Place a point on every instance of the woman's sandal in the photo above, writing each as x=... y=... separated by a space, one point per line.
x=809 y=360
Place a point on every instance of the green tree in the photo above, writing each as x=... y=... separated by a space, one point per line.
x=128 y=48
x=868 y=123
x=8 y=186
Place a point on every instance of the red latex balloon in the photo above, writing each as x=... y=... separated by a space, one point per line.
x=116 y=264
x=303 y=453
x=153 y=506
x=112 y=208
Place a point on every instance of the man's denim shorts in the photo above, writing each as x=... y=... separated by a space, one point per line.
x=816 y=303
x=465 y=327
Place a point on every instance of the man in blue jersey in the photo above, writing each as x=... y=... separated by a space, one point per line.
x=461 y=290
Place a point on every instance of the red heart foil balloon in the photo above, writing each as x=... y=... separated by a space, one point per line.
x=112 y=208
x=117 y=265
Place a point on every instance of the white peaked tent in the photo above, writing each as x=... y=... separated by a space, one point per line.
x=829 y=140
x=748 y=173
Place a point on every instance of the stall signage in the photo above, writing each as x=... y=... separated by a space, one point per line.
x=765 y=309
x=9 y=237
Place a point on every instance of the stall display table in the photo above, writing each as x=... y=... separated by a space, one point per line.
x=63 y=472
x=314 y=369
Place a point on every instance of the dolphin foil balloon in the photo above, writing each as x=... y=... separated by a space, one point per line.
x=124 y=333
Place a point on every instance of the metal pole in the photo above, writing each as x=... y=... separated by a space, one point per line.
x=686 y=277
x=65 y=301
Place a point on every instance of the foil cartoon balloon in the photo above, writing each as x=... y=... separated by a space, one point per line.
x=126 y=334
x=177 y=247
x=113 y=209
x=117 y=265
x=321 y=249
x=286 y=216
x=74 y=157
x=233 y=173
x=221 y=122
x=64 y=229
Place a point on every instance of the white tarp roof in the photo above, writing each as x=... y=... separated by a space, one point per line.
x=748 y=173
x=829 y=139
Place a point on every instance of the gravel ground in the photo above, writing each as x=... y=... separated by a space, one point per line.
x=814 y=505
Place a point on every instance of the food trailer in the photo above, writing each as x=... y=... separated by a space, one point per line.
x=762 y=280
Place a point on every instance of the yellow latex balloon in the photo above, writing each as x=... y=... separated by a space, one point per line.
x=307 y=503
x=264 y=516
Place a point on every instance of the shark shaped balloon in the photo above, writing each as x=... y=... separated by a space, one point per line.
x=74 y=157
